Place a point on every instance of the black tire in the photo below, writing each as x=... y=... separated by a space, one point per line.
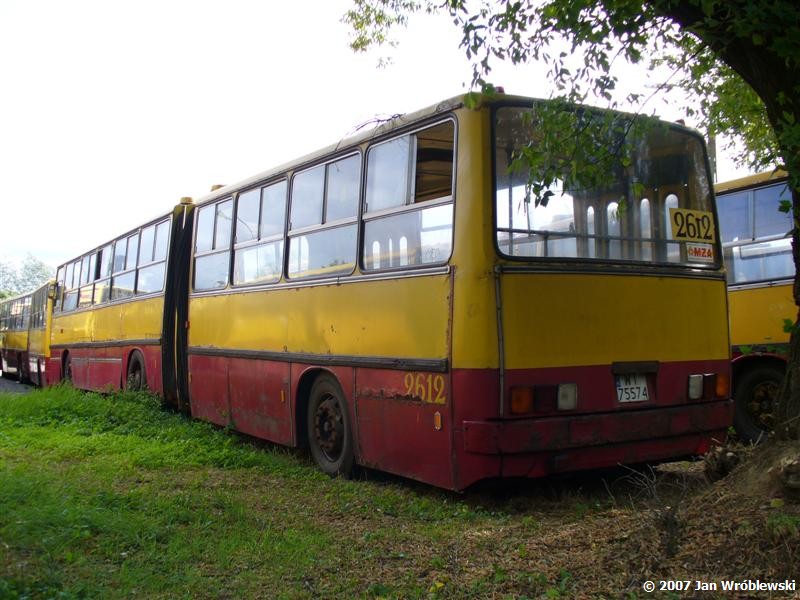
x=330 y=434
x=135 y=379
x=754 y=399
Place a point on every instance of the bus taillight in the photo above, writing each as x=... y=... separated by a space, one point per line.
x=708 y=386
x=521 y=400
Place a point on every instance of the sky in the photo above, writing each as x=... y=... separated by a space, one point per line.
x=111 y=111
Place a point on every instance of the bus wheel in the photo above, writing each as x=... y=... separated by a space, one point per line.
x=135 y=380
x=329 y=431
x=754 y=399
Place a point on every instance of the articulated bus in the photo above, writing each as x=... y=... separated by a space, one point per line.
x=395 y=301
x=25 y=334
x=757 y=249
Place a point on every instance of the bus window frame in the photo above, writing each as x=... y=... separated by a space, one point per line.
x=409 y=206
x=740 y=245
x=604 y=265
x=215 y=204
x=258 y=240
x=324 y=225
x=63 y=288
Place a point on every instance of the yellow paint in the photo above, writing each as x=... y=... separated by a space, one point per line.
x=39 y=339
x=571 y=320
x=757 y=314
x=405 y=318
x=16 y=339
x=142 y=320
x=474 y=256
x=549 y=319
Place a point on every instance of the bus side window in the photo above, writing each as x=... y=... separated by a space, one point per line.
x=408 y=210
x=152 y=258
x=258 y=250
x=326 y=198
x=212 y=245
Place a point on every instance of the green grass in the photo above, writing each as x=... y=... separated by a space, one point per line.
x=110 y=496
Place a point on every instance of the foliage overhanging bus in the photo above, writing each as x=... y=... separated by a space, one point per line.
x=757 y=249
x=395 y=302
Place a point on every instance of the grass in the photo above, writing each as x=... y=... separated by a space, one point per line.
x=109 y=496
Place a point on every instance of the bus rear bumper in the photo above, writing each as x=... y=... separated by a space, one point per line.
x=651 y=426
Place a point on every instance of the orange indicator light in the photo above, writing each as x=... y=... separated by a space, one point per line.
x=521 y=400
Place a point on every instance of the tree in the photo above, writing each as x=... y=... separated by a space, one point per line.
x=739 y=58
x=28 y=276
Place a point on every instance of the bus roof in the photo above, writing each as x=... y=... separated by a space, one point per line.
x=383 y=126
x=750 y=181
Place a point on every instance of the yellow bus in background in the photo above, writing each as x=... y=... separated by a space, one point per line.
x=25 y=334
x=15 y=316
x=396 y=301
x=39 y=333
x=109 y=313
x=757 y=248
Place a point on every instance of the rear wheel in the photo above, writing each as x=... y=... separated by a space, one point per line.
x=330 y=434
x=755 y=396
x=135 y=379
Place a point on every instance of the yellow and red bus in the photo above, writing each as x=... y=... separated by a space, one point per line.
x=25 y=334
x=396 y=301
x=14 y=323
x=757 y=248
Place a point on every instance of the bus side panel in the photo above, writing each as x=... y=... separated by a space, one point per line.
x=477 y=394
x=15 y=353
x=208 y=386
x=96 y=342
x=259 y=400
x=79 y=365
x=105 y=368
x=404 y=424
x=757 y=314
x=338 y=325
x=35 y=354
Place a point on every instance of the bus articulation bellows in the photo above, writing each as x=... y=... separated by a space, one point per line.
x=396 y=301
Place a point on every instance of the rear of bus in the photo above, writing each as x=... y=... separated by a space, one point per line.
x=610 y=310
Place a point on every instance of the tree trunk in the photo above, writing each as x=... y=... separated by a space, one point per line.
x=787 y=411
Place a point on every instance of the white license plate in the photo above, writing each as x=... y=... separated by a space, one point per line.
x=632 y=388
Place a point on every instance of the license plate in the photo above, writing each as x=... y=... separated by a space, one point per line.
x=632 y=388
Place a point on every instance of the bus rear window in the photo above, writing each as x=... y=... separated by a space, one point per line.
x=656 y=210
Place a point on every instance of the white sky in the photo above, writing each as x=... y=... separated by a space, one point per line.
x=110 y=111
